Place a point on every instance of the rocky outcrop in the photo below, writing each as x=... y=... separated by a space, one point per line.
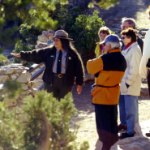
x=134 y=143
x=20 y=74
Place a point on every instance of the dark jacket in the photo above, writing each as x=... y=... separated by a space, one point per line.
x=140 y=43
x=74 y=68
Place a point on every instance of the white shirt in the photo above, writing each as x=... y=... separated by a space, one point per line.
x=146 y=55
x=63 y=64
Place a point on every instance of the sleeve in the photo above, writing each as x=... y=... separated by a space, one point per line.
x=97 y=50
x=94 y=65
x=134 y=62
x=36 y=56
x=146 y=55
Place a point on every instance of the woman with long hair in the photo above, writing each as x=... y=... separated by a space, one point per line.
x=63 y=65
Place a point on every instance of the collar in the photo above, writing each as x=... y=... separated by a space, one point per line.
x=63 y=51
x=128 y=45
x=114 y=50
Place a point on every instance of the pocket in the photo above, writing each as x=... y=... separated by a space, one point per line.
x=123 y=87
x=127 y=85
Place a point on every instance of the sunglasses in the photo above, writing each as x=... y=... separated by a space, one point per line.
x=123 y=37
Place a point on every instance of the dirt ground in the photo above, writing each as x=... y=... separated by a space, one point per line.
x=86 y=116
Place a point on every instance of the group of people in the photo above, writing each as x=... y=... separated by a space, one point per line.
x=118 y=64
x=116 y=71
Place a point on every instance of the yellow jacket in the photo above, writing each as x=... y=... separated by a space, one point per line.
x=108 y=70
x=99 y=49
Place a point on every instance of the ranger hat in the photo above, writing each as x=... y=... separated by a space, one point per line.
x=62 y=34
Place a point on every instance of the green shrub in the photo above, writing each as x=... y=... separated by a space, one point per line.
x=8 y=36
x=28 y=38
x=86 y=27
x=3 y=59
x=85 y=31
x=82 y=26
x=40 y=122
x=57 y=120
x=10 y=129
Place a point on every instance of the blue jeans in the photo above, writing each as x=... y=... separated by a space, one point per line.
x=128 y=108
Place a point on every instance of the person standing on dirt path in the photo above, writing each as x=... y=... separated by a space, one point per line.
x=145 y=61
x=108 y=70
x=125 y=24
x=130 y=84
x=63 y=65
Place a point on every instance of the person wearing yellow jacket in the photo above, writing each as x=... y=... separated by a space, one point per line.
x=108 y=70
x=102 y=33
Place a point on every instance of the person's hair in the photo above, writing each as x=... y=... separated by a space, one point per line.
x=67 y=45
x=130 y=21
x=114 y=45
x=105 y=30
x=132 y=33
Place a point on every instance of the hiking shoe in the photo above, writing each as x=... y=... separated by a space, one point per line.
x=126 y=135
x=122 y=128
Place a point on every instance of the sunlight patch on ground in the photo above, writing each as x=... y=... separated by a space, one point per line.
x=144 y=107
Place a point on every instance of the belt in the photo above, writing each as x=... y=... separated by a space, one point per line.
x=59 y=75
x=105 y=86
